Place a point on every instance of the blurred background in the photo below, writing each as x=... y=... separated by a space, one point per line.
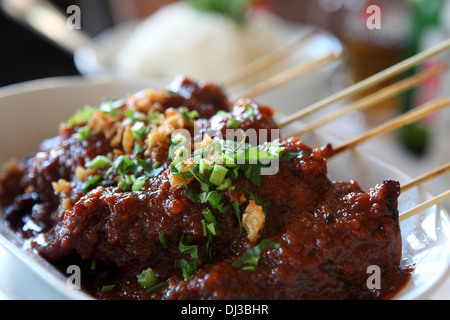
x=407 y=27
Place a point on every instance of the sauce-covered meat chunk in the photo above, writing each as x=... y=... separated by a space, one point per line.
x=155 y=200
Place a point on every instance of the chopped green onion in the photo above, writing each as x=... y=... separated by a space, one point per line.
x=82 y=116
x=215 y=199
x=253 y=260
x=191 y=194
x=179 y=166
x=163 y=240
x=124 y=186
x=155 y=287
x=188 y=115
x=137 y=150
x=129 y=179
x=204 y=227
x=249 y=268
x=188 y=268
x=250 y=111
x=139 y=183
x=221 y=114
x=291 y=155
x=185 y=248
x=107 y=288
x=218 y=175
x=202 y=166
x=232 y=9
x=149 y=170
x=226 y=185
x=90 y=183
x=171 y=92
x=253 y=197
x=83 y=133
x=232 y=123
x=228 y=161
x=152 y=117
x=139 y=130
x=147 y=278
x=122 y=164
x=257 y=250
x=132 y=114
x=110 y=107
x=254 y=174
x=235 y=206
x=99 y=162
x=107 y=183
x=211 y=222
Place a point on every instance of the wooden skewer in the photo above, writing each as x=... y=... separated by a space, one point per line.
x=409 y=117
x=287 y=76
x=425 y=205
x=373 y=99
x=426 y=177
x=368 y=82
x=267 y=60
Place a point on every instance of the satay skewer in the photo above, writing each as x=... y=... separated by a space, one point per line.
x=373 y=99
x=425 y=205
x=287 y=75
x=368 y=82
x=426 y=177
x=267 y=60
x=401 y=120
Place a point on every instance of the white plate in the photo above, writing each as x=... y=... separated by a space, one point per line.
x=31 y=112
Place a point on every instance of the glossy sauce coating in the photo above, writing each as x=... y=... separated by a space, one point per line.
x=328 y=233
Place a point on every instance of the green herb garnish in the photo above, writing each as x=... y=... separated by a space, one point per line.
x=132 y=115
x=82 y=116
x=233 y=9
x=139 y=183
x=235 y=206
x=252 y=196
x=252 y=255
x=147 y=278
x=188 y=267
x=99 y=162
x=139 y=130
x=110 y=107
x=185 y=248
x=83 y=133
x=232 y=123
x=107 y=288
x=211 y=223
x=162 y=238
x=218 y=175
x=122 y=164
x=89 y=184
x=251 y=111
x=152 y=117
x=292 y=155
x=155 y=287
x=188 y=115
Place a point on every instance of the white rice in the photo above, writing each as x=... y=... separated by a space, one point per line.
x=178 y=39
